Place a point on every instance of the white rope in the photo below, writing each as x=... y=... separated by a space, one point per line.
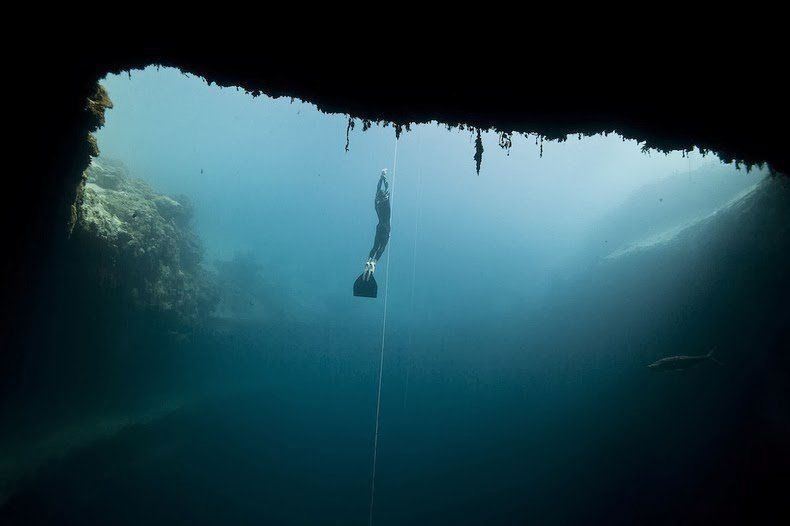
x=383 y=334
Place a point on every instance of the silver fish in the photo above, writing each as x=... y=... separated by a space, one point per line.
x=680 y=363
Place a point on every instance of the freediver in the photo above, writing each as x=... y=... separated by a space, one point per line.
x=366 y=284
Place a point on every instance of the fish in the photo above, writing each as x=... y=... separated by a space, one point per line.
x=680 y=363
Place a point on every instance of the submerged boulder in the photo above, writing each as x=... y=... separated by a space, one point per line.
x=141 y=245
x=107 y=173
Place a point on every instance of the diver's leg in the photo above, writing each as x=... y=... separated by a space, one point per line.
x=373 y=256
x=380 y=243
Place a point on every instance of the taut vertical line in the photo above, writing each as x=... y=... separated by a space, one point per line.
x=383 y=336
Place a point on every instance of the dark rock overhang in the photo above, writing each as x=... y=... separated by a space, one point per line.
x=725 y=97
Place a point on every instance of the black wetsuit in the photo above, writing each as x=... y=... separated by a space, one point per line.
x=383 y=228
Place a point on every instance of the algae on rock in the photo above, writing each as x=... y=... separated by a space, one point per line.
x=142 y=244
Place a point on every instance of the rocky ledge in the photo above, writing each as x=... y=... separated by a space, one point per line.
x=141 y=245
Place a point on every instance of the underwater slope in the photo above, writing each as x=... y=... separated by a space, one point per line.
x=684 y=445
x=670 y=204
x=726 y=261
x=680 y=228
x=18 y=461
x=236 y=460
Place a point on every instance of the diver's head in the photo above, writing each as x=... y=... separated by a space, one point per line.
x=384 y=173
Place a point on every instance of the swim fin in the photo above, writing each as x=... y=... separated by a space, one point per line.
x=366 y=289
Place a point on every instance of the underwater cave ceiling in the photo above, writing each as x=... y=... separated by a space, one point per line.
x=666 y=106
x=671 y=113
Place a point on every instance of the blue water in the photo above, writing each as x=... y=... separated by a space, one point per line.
x=523 y=305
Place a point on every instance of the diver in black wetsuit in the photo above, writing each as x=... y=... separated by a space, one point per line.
x=382 y=228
